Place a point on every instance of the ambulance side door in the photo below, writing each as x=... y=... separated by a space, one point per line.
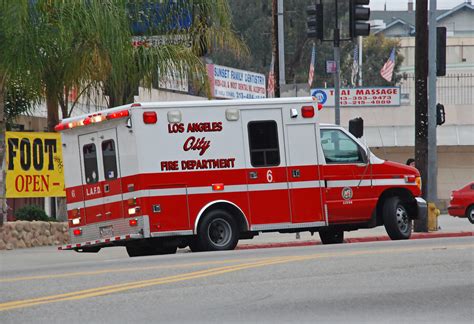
x=306 y=185
x=265 y=161
x=346 y=174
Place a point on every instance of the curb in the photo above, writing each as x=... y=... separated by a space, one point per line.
x=417 y=236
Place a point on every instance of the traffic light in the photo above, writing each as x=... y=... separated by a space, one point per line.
x=440 y=114
x=358 y=18
x=440 y=51
x=314 y=21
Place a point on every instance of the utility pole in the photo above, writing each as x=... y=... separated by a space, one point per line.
x=276 y=66
x=281 y=44
x=360 y=60
x=337 y=75
x=432 y=190
x=421 y=101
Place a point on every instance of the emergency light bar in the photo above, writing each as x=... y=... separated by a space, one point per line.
x=92 y=119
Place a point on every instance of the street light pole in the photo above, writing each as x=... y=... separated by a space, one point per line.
x=337 y=75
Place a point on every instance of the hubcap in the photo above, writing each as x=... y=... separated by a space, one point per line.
x=471 y=214
x=402 y=219
x=219 y=232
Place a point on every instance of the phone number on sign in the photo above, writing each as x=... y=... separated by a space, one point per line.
x=364 y=100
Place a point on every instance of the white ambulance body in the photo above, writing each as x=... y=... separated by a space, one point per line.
x=157 y=176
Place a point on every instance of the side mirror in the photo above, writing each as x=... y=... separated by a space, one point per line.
x=356 y=127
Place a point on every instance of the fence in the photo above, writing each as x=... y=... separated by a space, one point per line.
x=454 y=89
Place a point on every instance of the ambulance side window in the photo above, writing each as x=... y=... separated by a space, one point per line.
x=340 y=148
x=90 y=163
x=263 y=140
x=110 y=160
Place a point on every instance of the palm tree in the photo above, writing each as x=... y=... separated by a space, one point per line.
x=202 y=25
x=60 y=45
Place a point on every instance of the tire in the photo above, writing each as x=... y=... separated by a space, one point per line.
x=146 y=250
x=331 y=236
x=396 y=220
x=217 y=232
x=194 y=245
x=470 y=214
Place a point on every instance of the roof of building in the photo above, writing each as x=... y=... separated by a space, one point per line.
x=392 y=18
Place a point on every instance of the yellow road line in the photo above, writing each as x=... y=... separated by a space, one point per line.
x=104 y=290
x=127 y=286
x=134 y=269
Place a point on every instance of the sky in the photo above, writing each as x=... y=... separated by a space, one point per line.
x=403 y=4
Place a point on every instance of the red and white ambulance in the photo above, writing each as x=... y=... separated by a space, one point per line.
x=157 y=176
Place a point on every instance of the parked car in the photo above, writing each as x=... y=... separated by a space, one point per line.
x=462 y=202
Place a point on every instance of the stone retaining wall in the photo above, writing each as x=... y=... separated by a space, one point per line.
x=24 y=234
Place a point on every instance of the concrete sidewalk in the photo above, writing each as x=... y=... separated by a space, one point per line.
x=448 y=226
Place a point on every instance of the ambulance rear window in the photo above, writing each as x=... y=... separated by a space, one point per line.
x=109 y=159
x=90 y=163
x=263 y=140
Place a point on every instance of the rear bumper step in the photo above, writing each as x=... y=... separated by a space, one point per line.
x=101 y=242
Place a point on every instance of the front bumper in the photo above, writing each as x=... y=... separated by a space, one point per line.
x=421 y=208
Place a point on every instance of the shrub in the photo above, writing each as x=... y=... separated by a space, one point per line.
x=31 y=213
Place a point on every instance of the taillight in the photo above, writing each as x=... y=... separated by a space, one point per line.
x=133 y=222
x=150 y=117
x=77 y=232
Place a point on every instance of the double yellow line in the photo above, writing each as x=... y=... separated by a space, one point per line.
x=105 y=290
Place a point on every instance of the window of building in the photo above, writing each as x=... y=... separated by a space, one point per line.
x=90 y=163
x=109 y=158
x=263 y=140
x=340 y=148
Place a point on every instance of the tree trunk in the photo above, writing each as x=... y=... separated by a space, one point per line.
x=3 y=199
x=52 y=105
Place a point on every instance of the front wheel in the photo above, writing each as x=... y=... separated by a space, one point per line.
x=470 y=214
x=396 y=220
x=331 y=236
x=217 y=232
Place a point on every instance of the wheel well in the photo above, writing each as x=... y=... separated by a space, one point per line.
x=467 y=208
x=404 y=194
x=232 y=209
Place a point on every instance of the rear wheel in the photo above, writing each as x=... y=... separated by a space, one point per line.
x=470 y=214
x=217 y=232
x=396 y=220
x=331 y=236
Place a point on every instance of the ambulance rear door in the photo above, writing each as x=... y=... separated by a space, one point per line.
x=100 y=176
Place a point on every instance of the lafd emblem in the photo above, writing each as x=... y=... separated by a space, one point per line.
x=346 y=193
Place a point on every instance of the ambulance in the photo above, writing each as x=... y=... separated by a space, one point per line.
x=155 y=177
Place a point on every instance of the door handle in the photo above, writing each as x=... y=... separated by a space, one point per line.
x=106 y=188
x=98 y=215
x=253 y=175
x=108 y=213
x=295 y=173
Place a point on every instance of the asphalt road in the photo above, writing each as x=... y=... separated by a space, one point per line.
x=396 y=281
